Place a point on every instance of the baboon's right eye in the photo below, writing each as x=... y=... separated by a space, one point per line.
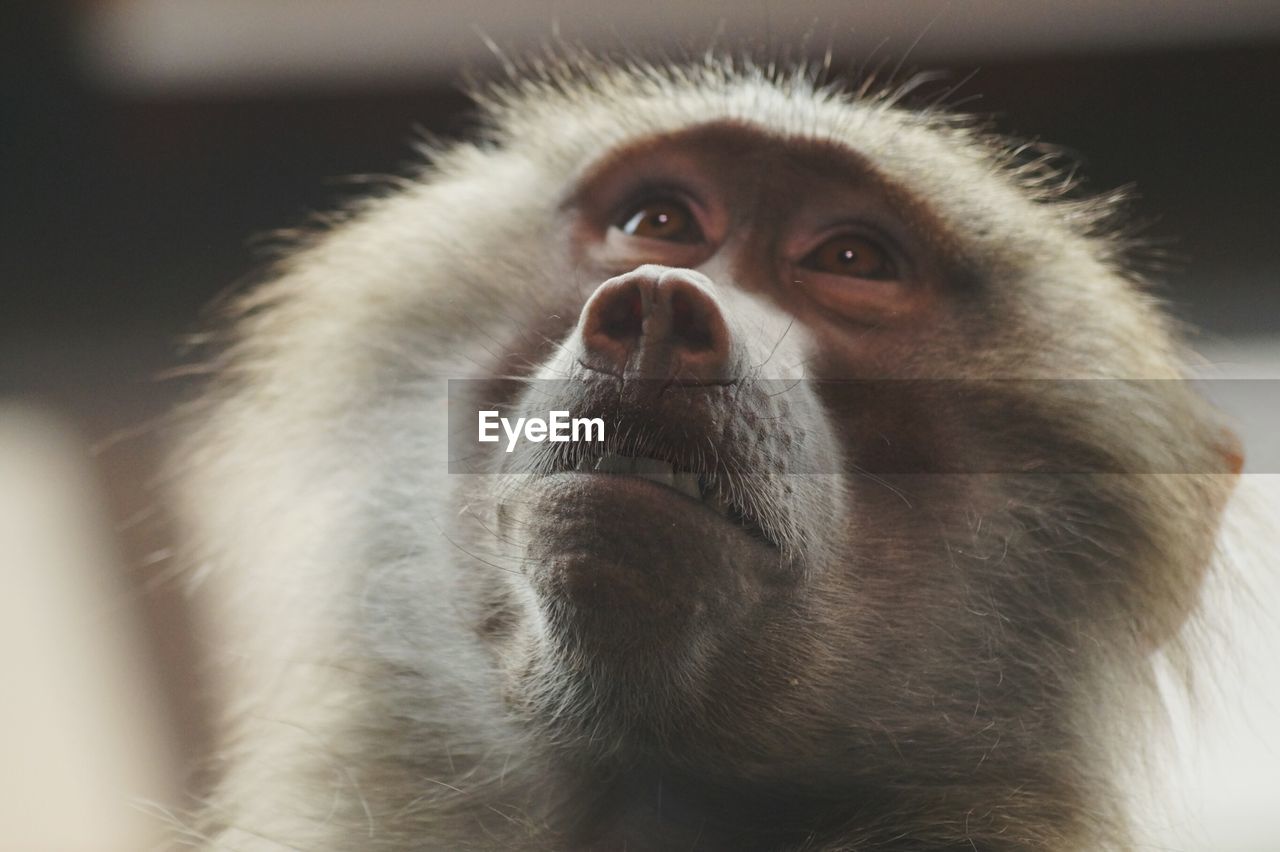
x=662 y=219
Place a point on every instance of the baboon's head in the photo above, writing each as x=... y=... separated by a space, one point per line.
x=899 y=485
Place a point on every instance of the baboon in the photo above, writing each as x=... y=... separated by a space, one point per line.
x=901 y=488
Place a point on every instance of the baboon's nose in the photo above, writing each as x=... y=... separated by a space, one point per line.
x=657 y=323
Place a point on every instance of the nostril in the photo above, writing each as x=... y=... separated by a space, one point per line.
x=613 y=322
x=621 y=317
x=692 y=320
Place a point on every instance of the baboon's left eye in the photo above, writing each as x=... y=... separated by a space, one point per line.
x=851 y=256
x=662 y=219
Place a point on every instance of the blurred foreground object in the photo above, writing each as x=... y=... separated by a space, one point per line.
x=1221 y=787
x=83 y=744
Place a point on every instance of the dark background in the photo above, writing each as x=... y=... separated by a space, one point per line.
x=124 y=213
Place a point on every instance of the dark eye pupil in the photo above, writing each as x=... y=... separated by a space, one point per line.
x=662 y=220
x=850 y=256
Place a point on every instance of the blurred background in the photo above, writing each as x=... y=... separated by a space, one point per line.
x=149 y=148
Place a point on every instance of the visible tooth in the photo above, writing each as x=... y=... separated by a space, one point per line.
x=653 y=470
x=687 y=484
x=647 y=466
x=611 y=463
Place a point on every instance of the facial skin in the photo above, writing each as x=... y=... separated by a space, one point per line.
x=862 y=563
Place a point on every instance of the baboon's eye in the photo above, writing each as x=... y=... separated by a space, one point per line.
x=851 y=256
x=662 y=219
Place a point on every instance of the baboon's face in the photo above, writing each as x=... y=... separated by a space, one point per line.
x=806 y=519
x=861 y=562
x=727 y=284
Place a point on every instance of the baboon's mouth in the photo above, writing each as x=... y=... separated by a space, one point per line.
x=705 y=487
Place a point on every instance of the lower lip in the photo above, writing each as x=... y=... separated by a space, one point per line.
x=659 y=499
x=625 y=483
